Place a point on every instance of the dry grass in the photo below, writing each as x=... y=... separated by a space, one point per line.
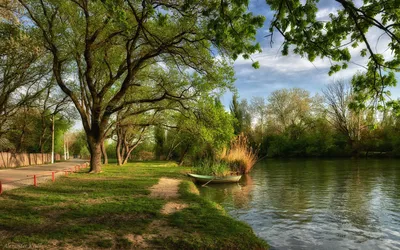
x=241 y=157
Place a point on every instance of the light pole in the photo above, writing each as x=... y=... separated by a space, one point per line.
x=65 y=148
x=52 y=139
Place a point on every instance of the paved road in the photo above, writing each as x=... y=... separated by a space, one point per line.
x=20 y=177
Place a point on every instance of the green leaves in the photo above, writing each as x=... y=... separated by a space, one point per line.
x=334 y=68
x=346 y=28
x=363 y=52
x=255 y=65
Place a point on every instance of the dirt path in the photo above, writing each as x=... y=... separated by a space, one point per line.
x=166 y=188
x=20 y=177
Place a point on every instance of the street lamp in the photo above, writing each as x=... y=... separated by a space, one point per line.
x=52 y=139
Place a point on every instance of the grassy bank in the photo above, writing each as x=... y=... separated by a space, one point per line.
x=114 y=210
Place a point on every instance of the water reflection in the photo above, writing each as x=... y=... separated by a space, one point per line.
x=337 y=204
x=238 y=194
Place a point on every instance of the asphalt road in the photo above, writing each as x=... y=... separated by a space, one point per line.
x=12 y=178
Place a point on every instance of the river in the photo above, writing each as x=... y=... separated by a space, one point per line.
x=320 y=204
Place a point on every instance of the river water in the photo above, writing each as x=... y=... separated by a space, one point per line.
x=320 y=204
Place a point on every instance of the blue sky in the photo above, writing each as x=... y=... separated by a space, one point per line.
x=277 y=71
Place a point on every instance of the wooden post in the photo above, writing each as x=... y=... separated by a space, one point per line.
x=53 y=177
x=34 y=181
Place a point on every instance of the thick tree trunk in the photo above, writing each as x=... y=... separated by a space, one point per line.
x=95 y=153
x=104 y=153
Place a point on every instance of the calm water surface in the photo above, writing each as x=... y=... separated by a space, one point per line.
x=321 y=204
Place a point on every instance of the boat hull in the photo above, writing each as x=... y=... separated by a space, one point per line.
x=215 y=179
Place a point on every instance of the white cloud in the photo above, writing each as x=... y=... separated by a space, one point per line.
x=323 y=14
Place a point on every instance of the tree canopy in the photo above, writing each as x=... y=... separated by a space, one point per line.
x=346 y=28
x=102 y=50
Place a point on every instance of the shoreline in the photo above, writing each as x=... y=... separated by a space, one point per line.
x=116 y=209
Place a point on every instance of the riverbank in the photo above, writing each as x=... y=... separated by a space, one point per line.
x=124 y=207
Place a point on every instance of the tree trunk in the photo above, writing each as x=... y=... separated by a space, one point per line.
x=118 y=149
x=95 y=153
x=183 y=155
x=128 y=155
x=104 y=153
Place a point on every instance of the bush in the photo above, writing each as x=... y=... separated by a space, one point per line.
x=146 y=155
x=241 y=157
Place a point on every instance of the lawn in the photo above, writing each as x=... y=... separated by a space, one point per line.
x=113 y=209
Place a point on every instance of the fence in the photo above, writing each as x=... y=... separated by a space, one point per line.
x=12 y=160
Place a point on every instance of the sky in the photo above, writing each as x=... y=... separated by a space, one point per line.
x=277 y=71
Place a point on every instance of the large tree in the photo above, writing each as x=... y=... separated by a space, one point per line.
x=258 y=107
x=201 y=133
x=349 y=122
x=289 y=107
x=241 y=112
x=100 y=48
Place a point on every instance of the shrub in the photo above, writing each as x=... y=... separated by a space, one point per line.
x=241 y=157
x=146 y=155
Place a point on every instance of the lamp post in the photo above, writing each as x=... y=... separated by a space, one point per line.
x=65 y=149
x=52 y=139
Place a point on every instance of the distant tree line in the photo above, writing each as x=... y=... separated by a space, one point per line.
x=292 y=123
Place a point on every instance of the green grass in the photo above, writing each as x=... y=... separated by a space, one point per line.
x=102 y=210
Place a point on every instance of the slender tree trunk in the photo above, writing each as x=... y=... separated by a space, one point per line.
x=127 y=156
x=118 y=151
x=183 y=155
x=104 y=153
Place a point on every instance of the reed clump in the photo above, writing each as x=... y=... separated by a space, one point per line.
x=211 y=167
x=241 y=157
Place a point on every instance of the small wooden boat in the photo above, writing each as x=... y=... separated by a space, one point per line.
x=215 y=179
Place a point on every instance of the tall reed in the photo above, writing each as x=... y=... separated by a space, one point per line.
x=241 y=157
